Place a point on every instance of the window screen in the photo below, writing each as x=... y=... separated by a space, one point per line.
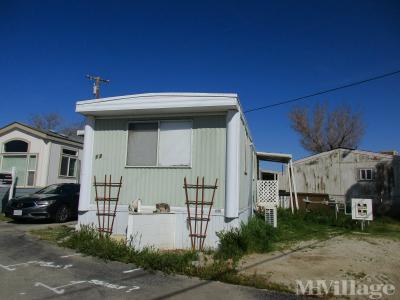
x=142 y=144
x=175 y=143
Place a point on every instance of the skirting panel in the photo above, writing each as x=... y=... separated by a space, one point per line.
x=164 y=230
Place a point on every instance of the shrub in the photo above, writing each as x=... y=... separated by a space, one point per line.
x=258 y=235
x=88 y=241
x=253 y=236
x=168 y=262
x=231 y=244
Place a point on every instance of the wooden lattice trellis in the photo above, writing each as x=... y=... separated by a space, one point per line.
x=105 y=211
x=198 y=231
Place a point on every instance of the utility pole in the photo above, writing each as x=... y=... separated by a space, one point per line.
x=96 y=84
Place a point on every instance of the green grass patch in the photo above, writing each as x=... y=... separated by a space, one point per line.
x=303 y=226
x=382 y=227
x=3 y=218
x=253 y=237
x=88 y=241
x=258 y=237
x=54 y=234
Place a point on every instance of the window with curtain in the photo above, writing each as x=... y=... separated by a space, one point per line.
x=142 y=144
x=159 y=144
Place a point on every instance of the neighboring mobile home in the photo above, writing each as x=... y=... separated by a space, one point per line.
x=156 y=140
x=342 y=174
x=40 y=157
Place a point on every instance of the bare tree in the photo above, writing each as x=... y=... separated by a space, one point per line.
x=326 y=130
x=55 y=122
x=50 y=121
x=71 y=129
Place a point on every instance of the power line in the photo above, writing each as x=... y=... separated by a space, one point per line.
x=324 y=91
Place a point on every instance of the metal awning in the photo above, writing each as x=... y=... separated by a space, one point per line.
x=274 y=157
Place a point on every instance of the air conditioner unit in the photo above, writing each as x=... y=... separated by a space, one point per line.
x=271 y=216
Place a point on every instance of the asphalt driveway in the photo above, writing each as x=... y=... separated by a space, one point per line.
x=34 y=269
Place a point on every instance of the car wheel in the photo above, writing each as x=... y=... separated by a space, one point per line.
x=62 y=214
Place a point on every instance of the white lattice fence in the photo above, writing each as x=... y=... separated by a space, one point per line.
x=268 y=199
x=267 y=193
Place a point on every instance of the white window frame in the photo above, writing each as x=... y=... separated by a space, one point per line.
x=360 y=178
x=27 y=156
x=158 y=121
x=69 y=156
x=31 y=170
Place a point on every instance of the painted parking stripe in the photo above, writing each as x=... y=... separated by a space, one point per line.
x=65 y=256
x=130 y=271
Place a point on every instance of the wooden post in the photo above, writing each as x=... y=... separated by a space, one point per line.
x=290 y=188
x=188 y=211
x=97 y=200
x=294 y=185
x=209 y=211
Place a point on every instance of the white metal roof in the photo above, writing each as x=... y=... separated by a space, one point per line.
x=274 y=157
x=158 y=103
x=371 y=153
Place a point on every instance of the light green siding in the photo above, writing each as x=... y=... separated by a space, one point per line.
x=245 y=169
x=154 y=184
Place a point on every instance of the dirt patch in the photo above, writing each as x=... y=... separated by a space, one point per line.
x=358 y=257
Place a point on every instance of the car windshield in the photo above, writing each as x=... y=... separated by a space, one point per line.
x=51 y=189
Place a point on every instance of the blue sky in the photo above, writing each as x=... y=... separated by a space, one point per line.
x=266 y=51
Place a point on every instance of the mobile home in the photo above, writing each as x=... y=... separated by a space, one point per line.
x=39 y=157
x=342 y=174
x=156 y=140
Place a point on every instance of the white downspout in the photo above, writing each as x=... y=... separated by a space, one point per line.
x=232 y=164
x=86 y=169
x=46 y=165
